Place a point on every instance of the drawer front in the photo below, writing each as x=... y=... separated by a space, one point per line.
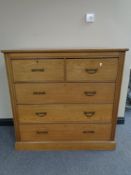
x=92 y=69
x=65 y=132
x=65 y=113
x=64 y=93
x=38 y=70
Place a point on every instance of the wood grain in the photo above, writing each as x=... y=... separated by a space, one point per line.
x=64 y=93
x=70 y=145
x=38 y=70
x=58 y=113
x=117 y=92
x=59 y=55
x=65 y=132
x=92 y=69
x=67 y=50
x=12 y=96
x=53 y=97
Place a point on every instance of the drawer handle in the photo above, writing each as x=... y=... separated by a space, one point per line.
x=41 y=132
x=41 y=114
x=90 y=93
x=89 y=114
x=37 y=70
x=91 y=71
x=39 y=93
x=89 y=132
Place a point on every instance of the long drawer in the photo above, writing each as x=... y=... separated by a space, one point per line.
x=92 y=69
x=38 y=70
x=65 y=132
x=64 y=93
x=65 y=113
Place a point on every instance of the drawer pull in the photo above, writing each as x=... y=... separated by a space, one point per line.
x=89 y=114
x=39 y=93
x=41 y=114
x=41 y=132
x=37 y=70
x=91 y=71
x=89 y=132
x=90 y=93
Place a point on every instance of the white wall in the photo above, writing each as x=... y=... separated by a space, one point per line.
x=60 y=24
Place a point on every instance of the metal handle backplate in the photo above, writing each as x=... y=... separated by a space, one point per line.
x=37 y=70
x=89 y=114
x=41 y=114
x=39 y=93
x=91 y=71
x=88 y=132
x=90 y=93
x=41 y=132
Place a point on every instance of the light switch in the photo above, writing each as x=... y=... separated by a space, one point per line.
x=90 y=17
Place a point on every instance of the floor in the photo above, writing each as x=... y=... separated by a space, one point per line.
x=116 y=162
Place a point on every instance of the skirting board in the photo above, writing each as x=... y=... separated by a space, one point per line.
x=9 y=121
x=6 y=122
x=121 y=120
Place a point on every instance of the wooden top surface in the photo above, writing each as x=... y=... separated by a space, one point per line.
x=66 y=50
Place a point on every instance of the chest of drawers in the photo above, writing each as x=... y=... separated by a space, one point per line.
x=65 y=99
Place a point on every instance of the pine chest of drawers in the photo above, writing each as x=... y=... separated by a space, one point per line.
x=65 y=99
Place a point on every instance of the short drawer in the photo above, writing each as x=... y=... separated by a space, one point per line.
x=64 y=93
x=38 y=70
x=65 y=132
x=92 y=69
x=65 y=113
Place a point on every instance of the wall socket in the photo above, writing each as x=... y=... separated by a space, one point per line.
x=90 y=17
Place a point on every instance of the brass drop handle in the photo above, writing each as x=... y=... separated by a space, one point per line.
x=90 y=93
x=41 y=114
x=39 y=93
x=91 y=71
x=41 y=132
x=38 y=70
x=89 y=114
x=88 y=132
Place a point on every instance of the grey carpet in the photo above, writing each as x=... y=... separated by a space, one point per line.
x=116 y=162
